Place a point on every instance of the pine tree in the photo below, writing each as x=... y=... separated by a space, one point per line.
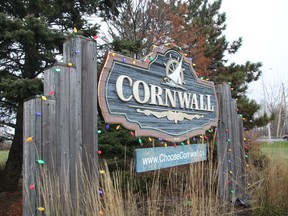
x=197 y=27
x=32 y=34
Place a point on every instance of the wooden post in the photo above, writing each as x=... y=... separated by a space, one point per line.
x=29 y=158
x=229 y=147
x=237 y=146
x=65 y=134
x=222 y=144
x=81 y=52
x=39 y=129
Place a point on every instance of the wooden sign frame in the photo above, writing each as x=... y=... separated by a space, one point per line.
x=140 y=95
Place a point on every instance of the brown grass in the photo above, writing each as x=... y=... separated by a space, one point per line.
x=270 y=189
x=172 y=193
x=184 y=190
x=267 y=177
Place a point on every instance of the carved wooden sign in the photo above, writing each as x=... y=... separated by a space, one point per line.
x=161 y=98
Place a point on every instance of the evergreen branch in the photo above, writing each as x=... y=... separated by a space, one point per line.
x=7 y=103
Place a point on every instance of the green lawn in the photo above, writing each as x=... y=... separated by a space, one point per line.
x=276 y=151
x=3 y=157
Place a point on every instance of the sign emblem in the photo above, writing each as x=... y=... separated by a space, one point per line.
x=162 y=98
x=174 y=74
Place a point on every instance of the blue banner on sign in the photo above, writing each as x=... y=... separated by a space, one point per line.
x=148 y=159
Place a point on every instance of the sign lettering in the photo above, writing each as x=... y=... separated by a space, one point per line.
x=147 y=159
x=162 y=98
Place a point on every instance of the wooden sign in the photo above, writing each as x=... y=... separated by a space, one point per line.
x=160 y=97
x=147 y=159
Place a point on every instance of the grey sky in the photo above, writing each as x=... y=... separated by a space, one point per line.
x=263 y=25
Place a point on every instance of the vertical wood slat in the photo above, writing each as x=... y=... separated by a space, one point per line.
x=62 y=94
x=37 y=126
x=230 y=153
x=56 y=79
x=222 y=143
x=82 y=53
x=49 y=134
x=72 y=54
x=237 y=149
x=29 y=196
x=89 y=105
x=242 y=156
x=63 y=83
x=234 y=148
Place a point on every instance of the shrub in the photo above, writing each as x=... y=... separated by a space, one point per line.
x=5 y=146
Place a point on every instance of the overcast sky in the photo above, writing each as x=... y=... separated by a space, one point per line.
x=263 y=25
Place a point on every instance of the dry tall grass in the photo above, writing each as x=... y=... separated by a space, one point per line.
x=267 y=178
x=185 y=190
x=270 y=189
x=120 y=193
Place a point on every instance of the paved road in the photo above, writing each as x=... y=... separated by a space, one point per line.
x=272 y=140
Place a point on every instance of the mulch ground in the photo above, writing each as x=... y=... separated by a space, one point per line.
x=11 y=203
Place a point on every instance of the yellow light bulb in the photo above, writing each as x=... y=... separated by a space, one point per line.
x=29 y=139
x=41 y=209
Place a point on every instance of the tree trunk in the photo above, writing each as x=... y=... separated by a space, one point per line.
x=13 y=168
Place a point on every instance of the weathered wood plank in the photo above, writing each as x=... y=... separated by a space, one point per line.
x=89 y=105
x=28 y=176
x=62 y=95
x=49 y=81
x=242 y=156
x=32 y=153
x=49 y=134
x=52 y=83
x=56 y=86
x=73 y=55
x=223 y=144
x=229 y=147
x=236 y=160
